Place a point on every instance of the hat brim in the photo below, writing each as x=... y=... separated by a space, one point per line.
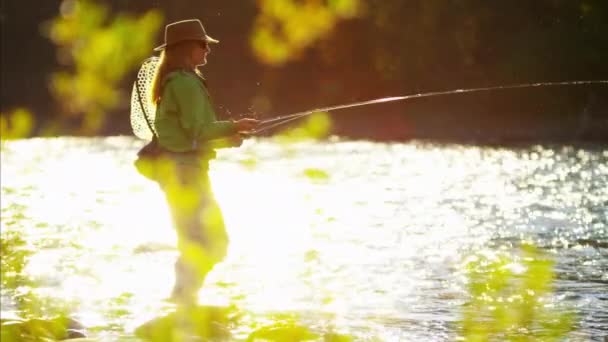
x=205 y=39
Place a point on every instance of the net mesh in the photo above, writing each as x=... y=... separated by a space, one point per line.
x=142 y=109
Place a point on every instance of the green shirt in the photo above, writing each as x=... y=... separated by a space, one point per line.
x=185 y=119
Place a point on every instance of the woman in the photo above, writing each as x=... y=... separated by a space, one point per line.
x=187 y=132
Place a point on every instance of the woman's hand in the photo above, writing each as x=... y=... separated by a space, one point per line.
x=245 y=125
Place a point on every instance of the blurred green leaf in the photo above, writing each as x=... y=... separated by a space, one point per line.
x=284 y=28
x=16 y=124
x=508 y=305
x=316 y=174
x=315 y=126
x=98 y=51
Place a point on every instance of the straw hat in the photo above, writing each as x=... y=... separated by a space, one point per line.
x=179 y=31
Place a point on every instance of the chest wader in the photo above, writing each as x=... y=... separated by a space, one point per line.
x=202 y=240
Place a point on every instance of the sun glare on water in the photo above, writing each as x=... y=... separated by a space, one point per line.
x=284 y=228
x=361 y=234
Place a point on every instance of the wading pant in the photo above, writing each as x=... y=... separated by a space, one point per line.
x=201 y=234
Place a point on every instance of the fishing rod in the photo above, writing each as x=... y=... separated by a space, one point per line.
x=283 y=119
x=142 y=112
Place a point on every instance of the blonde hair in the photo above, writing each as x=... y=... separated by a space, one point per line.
x=174 y=57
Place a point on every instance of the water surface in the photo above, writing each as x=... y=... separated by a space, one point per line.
x=368 y=238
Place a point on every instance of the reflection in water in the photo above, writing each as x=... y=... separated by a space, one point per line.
x=364 y=239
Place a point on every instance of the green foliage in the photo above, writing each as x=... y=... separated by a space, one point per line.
x=283 y=331
x=190 y=323
x=37 y=330
x=316 y=126
x=14 y=254
x=284 y=28
x=286 y=327
x=250 y=162
x=316 y=174
x=216 y=323
x=510 y=299
x=16 y=125
x=100 y=51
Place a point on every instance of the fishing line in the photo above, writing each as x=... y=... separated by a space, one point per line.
x=142 y=111
x=283 y=119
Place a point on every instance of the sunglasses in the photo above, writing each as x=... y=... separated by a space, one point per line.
x=203 y=45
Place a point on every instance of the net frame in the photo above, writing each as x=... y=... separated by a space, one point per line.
x=143 y=114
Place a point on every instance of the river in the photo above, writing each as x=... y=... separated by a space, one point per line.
x=368 y=238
